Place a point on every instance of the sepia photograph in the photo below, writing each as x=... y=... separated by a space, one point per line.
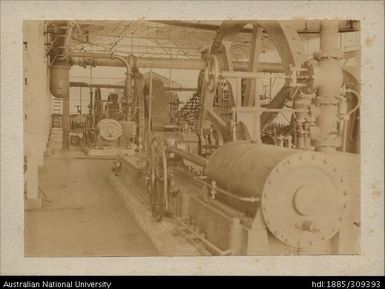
x=191 y=138
x=174 y=138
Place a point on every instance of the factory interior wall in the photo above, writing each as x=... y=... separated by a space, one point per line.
x=37 y=103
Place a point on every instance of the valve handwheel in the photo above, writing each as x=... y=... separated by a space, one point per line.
x=157 y=181
x=212 y=73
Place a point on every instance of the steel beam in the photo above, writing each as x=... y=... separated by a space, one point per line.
x=347 y=26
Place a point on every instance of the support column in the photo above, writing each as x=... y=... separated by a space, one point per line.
x=251 y=89
x=66 y=122
x=36 y=108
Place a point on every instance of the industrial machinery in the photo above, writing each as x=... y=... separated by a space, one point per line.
x=249 y=198
x=245 y=174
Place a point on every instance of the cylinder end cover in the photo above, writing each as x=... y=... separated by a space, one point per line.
x=305 y=199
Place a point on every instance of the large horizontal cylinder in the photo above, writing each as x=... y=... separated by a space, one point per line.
x=303 y=195
x=242 y=168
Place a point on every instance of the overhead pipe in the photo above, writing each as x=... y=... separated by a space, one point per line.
x=84 y=84
x=103 y=59
x=118 y=86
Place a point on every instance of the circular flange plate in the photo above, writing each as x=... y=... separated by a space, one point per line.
x=305 y=199
x=109 y=129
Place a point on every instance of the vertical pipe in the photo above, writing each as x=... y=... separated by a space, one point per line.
x=92 y=106
x=170 y=94
x=270 y=86
x=329 y=86
x=127 y=93
x=257 y=117
x=80 y=100
x=128 y=85
x=150 y=102
x=91 y=110
x=329 y=38
x=66 y=121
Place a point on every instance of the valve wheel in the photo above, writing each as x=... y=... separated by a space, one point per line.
x=157 y=180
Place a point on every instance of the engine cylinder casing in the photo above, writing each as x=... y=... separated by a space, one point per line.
x=242 y=169
x=303 y=195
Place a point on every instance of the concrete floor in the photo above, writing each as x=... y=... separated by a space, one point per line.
x=84 y=216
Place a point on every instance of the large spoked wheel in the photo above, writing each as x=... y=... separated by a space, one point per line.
x=157 y=182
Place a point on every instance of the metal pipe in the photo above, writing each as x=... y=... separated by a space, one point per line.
x=198 y=160
x=84 y=84
x=118 y=86
x=150 y=103
x=128 y=85
x=329 y=38
x=347 y=116
x=122 y=59
x=103 y=59
x=66 y=121
x=330 y=83
x=226 y=193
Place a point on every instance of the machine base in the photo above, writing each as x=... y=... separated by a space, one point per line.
x=165 y=235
